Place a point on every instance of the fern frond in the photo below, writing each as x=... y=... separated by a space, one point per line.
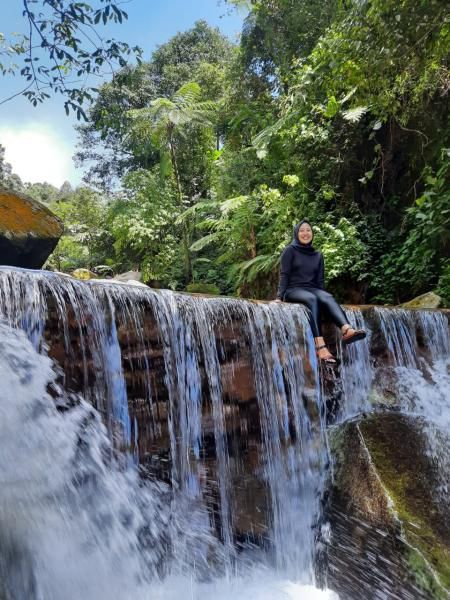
x=263 y=263
x=232 y=204
x=204 y=241
x=354 y=114
x=198 y=207
x=262 y=140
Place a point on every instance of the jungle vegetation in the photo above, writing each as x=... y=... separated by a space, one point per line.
x=200 y=160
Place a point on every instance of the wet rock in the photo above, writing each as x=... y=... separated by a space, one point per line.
x=84 y=274
x=29 y=231
x=129 y=276
x=428 y=300
x=388 y=518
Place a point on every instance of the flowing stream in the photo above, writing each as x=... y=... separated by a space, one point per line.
x=82 y=515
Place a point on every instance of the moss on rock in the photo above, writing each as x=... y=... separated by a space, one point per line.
x=398 y=450
x=29 y=231
x=428 y=300
x=21 y=216
x=384 y=497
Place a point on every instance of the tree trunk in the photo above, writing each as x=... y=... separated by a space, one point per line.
x=185 y=229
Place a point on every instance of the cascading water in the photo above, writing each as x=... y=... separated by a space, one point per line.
x=421 y=378
x=219 y=400
x=71 y=521
x=396 y=421
x=294 y=445
x=152 y=538
x=356 y=370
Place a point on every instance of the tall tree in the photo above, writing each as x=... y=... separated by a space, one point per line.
x=166 y=121
x=7 y=177
x=200 y=54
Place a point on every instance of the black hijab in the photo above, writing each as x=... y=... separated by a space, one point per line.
x=304 y=248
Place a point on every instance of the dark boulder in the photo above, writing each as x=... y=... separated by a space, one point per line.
x=29 y=231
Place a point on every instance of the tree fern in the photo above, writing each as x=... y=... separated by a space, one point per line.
x=250 y=269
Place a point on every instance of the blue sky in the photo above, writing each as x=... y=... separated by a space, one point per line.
x=40 y=141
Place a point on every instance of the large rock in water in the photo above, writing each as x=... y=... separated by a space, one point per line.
x=29 y=231
x=388 y=508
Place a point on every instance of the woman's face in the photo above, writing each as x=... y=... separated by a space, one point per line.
x=305 y=234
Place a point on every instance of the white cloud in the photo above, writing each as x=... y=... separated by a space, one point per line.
x=37 y=154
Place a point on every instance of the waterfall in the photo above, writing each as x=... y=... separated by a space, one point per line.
x=356 y=369
x=294 y=448
x=418 y=347
x=170 y=444
x=110 y=360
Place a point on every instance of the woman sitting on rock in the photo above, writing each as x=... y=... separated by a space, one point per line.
x=302 y=281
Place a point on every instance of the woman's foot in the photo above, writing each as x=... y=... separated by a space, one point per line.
x=324 y=355
x=350 y=335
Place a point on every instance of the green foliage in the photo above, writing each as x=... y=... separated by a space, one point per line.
x=203 y=288
x=361 y=118
x=169 y=122
x=333 y=111
x=8 y=179
x=416 y=262
x=251 y=231
x=86 y=241
x=188 y=56
x=198 y=55
x=142 y=222
x=443 y=288
x=276 y=33
x=343 y=250
x=47 y=193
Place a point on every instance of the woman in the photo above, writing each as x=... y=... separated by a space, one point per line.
x=302 y=280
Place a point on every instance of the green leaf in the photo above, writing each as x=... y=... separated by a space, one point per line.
x=332 y=107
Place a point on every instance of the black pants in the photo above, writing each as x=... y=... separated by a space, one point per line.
x=319 y=302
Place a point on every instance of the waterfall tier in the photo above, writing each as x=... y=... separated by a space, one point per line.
x=220 y=403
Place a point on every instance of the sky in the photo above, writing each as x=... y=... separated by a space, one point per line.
x=41 y=141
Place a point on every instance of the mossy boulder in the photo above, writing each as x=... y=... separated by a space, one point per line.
x=428 y=300
x=29 y=231
x=84 y=274
x=389 y=525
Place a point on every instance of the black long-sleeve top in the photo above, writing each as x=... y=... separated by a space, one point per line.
x=300 y=269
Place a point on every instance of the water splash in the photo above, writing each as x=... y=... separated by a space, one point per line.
x=104 y=319
x=71 y=522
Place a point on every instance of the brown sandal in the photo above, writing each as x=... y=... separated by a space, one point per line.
x=359 y=334
x=328 y=360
